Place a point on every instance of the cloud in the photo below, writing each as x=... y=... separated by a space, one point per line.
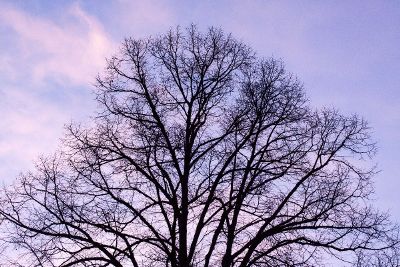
x=31 y=128
x=72 y=50
x=46 y=67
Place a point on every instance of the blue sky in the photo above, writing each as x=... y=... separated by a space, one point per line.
x=347 y=53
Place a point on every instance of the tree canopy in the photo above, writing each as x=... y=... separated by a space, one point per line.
x=201 y=154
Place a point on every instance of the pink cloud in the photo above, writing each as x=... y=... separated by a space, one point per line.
x=29 y=128
x=73 y=50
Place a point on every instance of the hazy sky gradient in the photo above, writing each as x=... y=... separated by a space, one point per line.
x=347 y=53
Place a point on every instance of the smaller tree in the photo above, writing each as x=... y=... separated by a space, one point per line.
x=201 y=155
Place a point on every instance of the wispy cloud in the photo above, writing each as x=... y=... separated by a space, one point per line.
x=71 y=50
x=42 y=63
x=30 y=129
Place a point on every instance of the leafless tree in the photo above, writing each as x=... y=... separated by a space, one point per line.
x=201 y=154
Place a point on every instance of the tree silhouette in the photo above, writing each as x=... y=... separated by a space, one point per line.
x=201 y=154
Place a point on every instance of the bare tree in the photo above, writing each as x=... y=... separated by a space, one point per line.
x=202 y=154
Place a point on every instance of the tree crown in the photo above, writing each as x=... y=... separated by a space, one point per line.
x=202 y=154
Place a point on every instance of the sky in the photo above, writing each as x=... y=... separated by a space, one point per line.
x=346 y=53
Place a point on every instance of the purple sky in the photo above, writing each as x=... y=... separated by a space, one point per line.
x=347 y=53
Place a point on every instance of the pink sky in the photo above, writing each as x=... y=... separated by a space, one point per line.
x=50 y=52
